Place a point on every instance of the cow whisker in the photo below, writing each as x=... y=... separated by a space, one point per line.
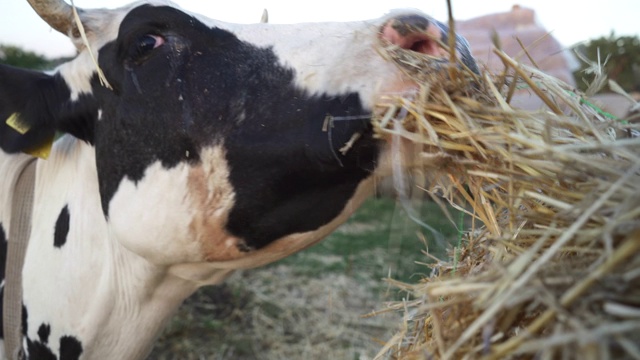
x=349 y=118
x=330 y=139
x=328 y=124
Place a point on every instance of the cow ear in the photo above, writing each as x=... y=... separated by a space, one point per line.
x=34 y=105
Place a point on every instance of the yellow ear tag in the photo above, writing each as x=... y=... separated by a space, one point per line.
x=16 y=124
x=42 y=150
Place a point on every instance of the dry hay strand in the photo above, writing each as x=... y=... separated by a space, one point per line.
x=554 y=269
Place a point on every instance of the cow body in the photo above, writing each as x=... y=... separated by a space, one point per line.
x=214 y=150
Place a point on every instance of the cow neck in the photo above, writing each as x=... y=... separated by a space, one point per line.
x=83 y=283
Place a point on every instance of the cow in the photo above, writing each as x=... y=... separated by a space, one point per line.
x=189 y=149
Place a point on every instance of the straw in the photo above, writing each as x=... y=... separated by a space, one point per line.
x=554 y=270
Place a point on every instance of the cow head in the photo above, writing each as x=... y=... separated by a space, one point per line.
x=214 y=141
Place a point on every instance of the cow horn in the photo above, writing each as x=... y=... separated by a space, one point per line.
x=57 y=13
x=265 y=16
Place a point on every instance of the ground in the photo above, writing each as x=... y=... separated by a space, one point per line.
x=311 y=305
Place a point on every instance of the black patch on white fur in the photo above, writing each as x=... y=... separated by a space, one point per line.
x=70 y=348
x=25 y=318
x=40 y=349
x=3 y=261
x=43 y=333
x=62 y=228
x=2 y=312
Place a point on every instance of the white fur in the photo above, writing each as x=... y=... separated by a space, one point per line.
x=77 y=74
x=328 y=58
x=151 y=224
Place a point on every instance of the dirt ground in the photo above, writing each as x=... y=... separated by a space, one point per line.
x=274 y=313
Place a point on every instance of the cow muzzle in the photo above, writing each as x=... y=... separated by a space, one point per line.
x=423 y=35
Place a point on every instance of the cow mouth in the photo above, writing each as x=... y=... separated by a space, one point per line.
x=421 y=46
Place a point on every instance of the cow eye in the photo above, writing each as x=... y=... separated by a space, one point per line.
x=148 y=42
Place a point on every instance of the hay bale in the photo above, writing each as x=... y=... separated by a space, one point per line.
x=552 y=268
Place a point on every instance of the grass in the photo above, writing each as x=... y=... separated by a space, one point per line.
x=379 y=241
x=310 y=305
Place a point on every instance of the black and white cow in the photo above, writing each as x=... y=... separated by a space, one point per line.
x=211 y=152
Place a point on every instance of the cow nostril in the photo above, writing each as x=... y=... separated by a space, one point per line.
x=415 y=33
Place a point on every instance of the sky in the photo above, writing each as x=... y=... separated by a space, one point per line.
x=570 y=21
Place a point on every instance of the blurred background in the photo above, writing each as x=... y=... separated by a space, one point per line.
x=311 y=305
